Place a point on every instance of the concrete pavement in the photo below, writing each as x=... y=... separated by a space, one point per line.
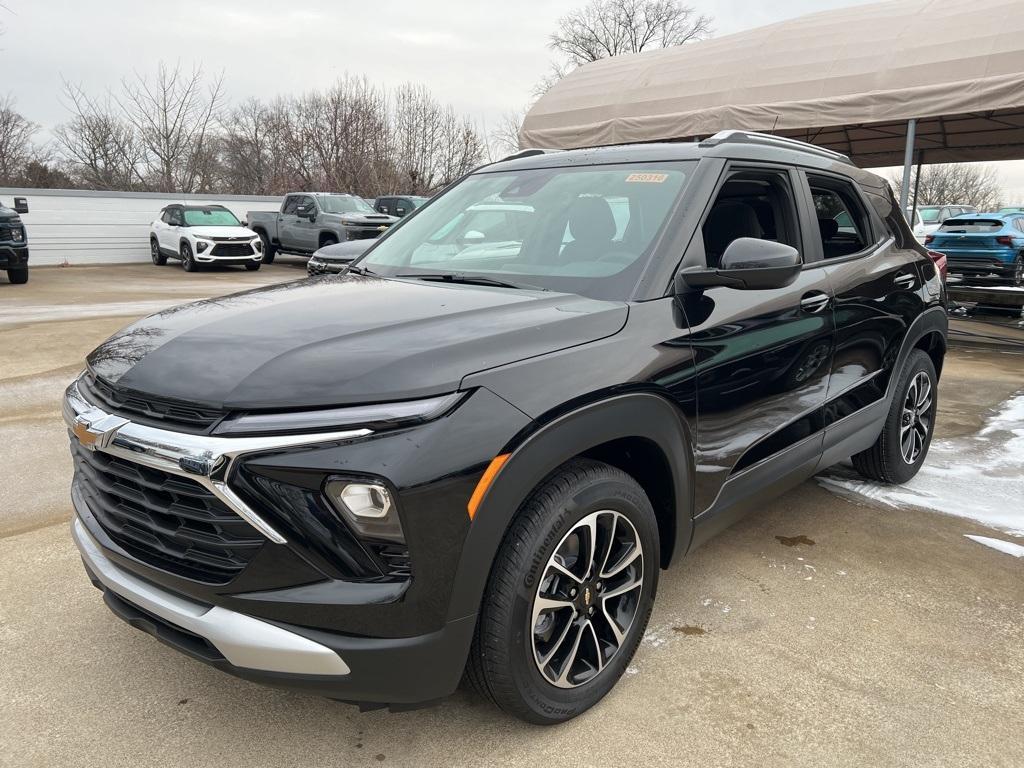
x=817 y=632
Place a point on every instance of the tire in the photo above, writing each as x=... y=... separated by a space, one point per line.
x=18 y=276
x=155 y=253
x=329 y=240
x=187 y=259
x=888 y=460
x=269 y=251
x=515 y=634
x=252 y=266
x=1016 y=272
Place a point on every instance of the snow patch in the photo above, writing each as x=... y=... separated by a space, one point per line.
x=1016 y=550
x=976 y=477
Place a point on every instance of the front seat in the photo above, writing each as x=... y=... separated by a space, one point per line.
x=729 y=220
x=592 y=227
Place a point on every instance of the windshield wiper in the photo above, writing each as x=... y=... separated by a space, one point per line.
x=355 y=269
x=461 y=277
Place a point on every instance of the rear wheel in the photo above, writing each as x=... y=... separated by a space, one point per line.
x=569 y=595
x=18 y=276
x=269 y=251
x=188 y=261
x=901 y=449
x=155 y=253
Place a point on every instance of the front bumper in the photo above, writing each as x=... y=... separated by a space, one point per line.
x=402 y=641
x=13 y=256
x=390 y=671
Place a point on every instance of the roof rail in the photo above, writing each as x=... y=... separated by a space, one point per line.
x=528 y=153
x=783 y=142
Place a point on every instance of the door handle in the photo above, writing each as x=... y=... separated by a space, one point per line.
x=816 y=301
x=903 y=281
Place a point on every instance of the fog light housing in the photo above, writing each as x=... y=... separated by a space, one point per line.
x=257 y=244
x=201 y=246
x=368 y=506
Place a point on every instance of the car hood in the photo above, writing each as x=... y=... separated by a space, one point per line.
x=343 y=252
x=239 y=232
x=330 y=341
x=362 y=219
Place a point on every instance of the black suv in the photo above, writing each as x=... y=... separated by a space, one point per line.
x=474 y=450
x=14 y=242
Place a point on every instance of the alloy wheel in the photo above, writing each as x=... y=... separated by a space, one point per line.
x=154 y=251
x=587 y=599
x=916 y=419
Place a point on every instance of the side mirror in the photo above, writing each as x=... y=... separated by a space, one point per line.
x=747 y=264
x=20 y=205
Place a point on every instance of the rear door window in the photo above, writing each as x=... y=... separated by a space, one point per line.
x=842 y=218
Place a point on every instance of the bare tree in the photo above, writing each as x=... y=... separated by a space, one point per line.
x=504 y=137
x=966 y=183
x=173 y=116
x=101 y=150
x=605 y=28
x=16 y=147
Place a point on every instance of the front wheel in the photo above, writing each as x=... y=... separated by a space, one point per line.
x=18 y=276
x=1017 y=271
x=569 y=595
x=188 y=261
x=252 y=266
x=269 y=251
x=901 y=449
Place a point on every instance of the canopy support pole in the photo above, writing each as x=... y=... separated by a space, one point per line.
x=908 y=163
x=917 y=181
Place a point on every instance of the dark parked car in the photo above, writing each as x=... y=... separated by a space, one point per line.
x=332 y=259
x=981 y=243
x=14 y=242
x=399 y=205
x=476 y=449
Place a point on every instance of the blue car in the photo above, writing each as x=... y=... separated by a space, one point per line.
x=980 y=243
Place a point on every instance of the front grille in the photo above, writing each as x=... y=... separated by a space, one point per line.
x=232 y=250
x=167 y=521
x=365 y=234
x=170 y=413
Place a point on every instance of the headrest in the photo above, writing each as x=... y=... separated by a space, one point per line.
x=729 y=220
x=591 y=220
x=829 y=228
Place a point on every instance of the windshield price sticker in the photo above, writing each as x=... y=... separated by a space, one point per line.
x=647 y=178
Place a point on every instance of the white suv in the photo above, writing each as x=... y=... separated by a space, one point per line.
x=203 y=234
x=930 y=217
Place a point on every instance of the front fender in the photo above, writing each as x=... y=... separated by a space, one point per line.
x=541 y=449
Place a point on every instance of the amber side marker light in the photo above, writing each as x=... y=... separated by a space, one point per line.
x=485 y=482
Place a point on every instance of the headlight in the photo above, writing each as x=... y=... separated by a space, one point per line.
x=201 y=245
x=381 y=416
x=368 y=506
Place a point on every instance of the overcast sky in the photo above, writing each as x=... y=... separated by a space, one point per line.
x=483 y=57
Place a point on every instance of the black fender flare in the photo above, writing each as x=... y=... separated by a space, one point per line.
x=932 y=320
x=338 y=237
x=534 y=456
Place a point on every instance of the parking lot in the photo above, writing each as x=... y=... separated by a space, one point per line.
x=821 y=630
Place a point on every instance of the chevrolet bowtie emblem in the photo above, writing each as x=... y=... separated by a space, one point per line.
x=98 y=432
x=382 y=227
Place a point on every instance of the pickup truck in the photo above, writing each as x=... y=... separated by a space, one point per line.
x=308 y=221
x=14 y=242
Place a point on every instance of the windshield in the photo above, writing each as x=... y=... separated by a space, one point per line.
x=210 y=217
x=586 y=230
x=343 y=204
x=929 y=215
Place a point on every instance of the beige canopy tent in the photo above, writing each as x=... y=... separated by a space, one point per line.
x=903 y=81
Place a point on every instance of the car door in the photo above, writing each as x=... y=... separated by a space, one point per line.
x=762 y=356
x=877 y=283
x=170 y=233
x=304 y=230
x=286 y=222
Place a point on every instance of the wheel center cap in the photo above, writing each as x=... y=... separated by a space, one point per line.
x=586 y=596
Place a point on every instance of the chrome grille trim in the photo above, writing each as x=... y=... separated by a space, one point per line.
x=208 y=459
